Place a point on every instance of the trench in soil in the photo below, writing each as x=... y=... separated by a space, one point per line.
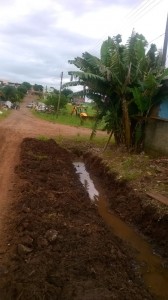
x=151 y=265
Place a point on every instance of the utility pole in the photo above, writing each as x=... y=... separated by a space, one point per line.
x=59 y=97
x=165 y=45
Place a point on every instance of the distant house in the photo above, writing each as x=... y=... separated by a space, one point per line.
x=156 y=134
x=79 y=100
x=6 y=82
x=3 y=82
x=14 y=84
x=11 y=84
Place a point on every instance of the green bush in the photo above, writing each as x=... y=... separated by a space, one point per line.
x=53 y=98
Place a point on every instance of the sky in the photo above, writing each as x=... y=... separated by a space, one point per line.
x=38 y=37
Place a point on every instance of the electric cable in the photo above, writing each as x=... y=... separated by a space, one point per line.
x=146 y=6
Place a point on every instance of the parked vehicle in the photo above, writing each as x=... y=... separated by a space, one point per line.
x=30 y=105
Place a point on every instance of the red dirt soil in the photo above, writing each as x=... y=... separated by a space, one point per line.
x=54 y=244
x=60 y=247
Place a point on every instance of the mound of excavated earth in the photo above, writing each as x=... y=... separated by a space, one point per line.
x=60 y=247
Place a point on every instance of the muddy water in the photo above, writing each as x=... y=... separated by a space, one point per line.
x=154 y=274
x=86 y=180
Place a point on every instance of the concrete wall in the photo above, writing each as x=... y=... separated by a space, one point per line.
x=156 y=137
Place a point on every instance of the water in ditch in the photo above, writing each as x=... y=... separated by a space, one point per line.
x=152 y=267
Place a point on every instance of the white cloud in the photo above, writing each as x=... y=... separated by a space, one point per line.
x=37 y=38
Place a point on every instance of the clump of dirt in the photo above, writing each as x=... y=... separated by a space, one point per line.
x=59 y=246
x=133 y=207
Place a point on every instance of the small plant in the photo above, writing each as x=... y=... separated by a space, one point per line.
x=5 y=113
x=42 y=138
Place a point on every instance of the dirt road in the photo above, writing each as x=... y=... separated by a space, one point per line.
x=24 y=124
x=20 y=124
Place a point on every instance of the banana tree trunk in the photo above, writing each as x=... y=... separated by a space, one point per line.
x=126 y=123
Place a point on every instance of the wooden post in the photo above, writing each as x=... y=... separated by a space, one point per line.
x=59 y=98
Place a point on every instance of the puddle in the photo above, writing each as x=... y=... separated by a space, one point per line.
x=86 y=180
x=154 y=274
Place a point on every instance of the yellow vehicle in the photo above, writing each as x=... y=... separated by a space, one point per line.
x=80 y=110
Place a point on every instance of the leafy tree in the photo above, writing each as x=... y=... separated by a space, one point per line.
x=68 y=93
x=52 y=99
x=55 y=91
x=10 y=93
x=14 y=94
x=38 y=87
x=27 y=85
x=21 y=91
x=124 y=82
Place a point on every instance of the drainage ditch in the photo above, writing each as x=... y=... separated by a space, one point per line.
x=151 y=264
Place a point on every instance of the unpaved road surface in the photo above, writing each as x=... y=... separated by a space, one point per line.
x=54 y=244
x=20 y=124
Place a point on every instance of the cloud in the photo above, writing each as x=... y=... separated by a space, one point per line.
x=36 y=49
x=36 y=46
x=37 y=38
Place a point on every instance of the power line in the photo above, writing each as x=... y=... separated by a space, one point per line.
x=145 y=7
x=142 y=8
x=132 y=12
x=157 y=38
x=149 y=8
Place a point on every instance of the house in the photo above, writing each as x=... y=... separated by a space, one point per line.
x=3 y=82
x=6 y=82
x=79 y=100
x=156 y=133
x=14 y=84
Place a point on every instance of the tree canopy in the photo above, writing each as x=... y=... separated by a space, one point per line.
x=27 y=85
x=38 y=87
x=15 y=94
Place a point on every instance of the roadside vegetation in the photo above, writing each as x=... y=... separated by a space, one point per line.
x=125 y=83
x=4 y=114
x=13 y=93
x=66 y=116
x=16 y=93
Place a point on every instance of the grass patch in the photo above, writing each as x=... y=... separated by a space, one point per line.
x=5 y=114
x=129 y=166
x=66 y=118
x=81 y=140
x=82 y=143
x=42 y=138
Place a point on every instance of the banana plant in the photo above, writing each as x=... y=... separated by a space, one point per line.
x=124 y=82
